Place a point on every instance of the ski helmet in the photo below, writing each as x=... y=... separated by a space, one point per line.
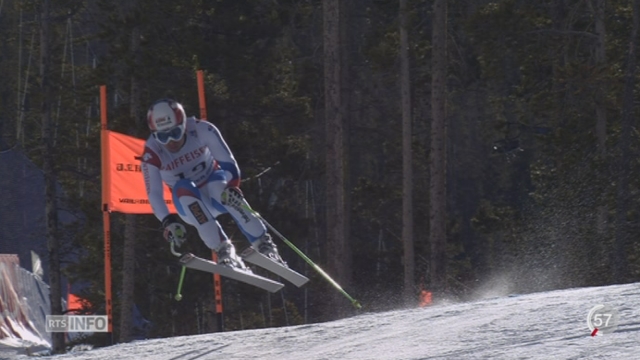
x=166 y=120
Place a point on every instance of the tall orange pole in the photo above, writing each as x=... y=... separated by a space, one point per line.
x=217 y=283
x=203 y=103
x=106 y=221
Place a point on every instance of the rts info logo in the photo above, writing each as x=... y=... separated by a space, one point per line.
x=77 y=323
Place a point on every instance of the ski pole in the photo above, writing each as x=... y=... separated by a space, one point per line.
x=353 y=301
x=178 y=296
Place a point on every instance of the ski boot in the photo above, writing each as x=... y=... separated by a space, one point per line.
x=266 y=247
x=227 y=256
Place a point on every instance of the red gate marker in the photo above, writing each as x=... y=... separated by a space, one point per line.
x=594 y=332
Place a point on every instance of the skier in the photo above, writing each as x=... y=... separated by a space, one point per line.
x=192 y=158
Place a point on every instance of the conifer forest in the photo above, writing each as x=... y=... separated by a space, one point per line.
x=458 y=147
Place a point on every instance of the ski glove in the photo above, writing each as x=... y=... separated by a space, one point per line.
x=232 y=196
x=174 y=231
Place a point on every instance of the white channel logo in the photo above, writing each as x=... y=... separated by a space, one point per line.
x=77 y=323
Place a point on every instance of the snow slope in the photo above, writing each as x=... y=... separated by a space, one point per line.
x=549 y=325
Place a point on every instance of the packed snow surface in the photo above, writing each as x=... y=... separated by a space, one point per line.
x=549 y=325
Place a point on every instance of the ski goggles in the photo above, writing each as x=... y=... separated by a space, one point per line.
x=173 y=134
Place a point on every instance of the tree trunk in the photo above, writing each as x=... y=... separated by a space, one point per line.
x=620 y=270
x=407 y=160
x=345 y=116
x=338 y=254
x=130 y=233
x=601 y=106
x=601 y=125
x=437 y=155
x=51 y=211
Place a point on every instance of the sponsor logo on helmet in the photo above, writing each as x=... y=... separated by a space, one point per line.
x=164 y=115
x=161 y=122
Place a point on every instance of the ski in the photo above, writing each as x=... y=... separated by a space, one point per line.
x=246 y=276
x=254 y=257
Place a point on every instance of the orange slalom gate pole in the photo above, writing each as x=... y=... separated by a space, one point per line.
x=217 y=283
x=201 y=98
x=106 y=221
